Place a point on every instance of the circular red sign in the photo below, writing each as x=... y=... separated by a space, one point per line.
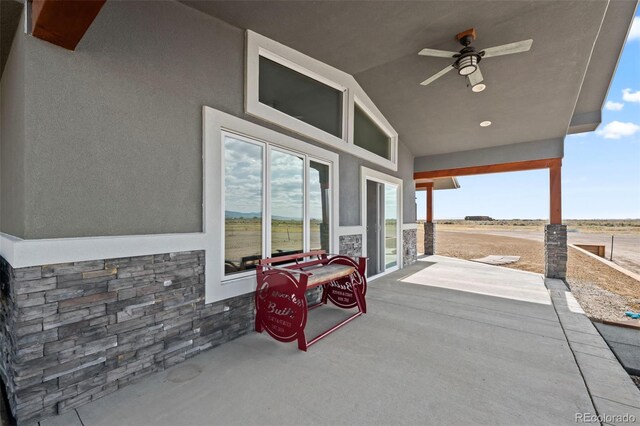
x=282 y=313
x=341 y=292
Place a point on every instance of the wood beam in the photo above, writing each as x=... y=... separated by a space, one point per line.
x=63 y=22
x=430 y=204
x=492 y=168
x=555 y=195
x=424 y=185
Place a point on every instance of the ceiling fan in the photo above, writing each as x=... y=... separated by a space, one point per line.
x=467 y=60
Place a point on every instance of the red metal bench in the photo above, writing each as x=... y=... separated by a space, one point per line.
x=281 y=305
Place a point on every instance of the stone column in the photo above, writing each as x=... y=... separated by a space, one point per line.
x=409 y=247
x=429 y=238
x=555 y=251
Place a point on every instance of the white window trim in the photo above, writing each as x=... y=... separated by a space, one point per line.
x=370 y=174
x=217 y=286
x=258 y=45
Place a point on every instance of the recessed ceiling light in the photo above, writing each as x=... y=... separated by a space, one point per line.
x=485 y=124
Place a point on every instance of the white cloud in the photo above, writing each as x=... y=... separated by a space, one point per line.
x=634 y=34
x=618 y=129
x=629 y=96
x=614 y=106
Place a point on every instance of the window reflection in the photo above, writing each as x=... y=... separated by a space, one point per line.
x=287 y=203
x=319 y=206
x=243 y=205
x=390 y=226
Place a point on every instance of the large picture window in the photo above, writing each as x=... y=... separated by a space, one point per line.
x=276 y=202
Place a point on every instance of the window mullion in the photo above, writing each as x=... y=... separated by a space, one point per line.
x=306 y=225
x=266 y=190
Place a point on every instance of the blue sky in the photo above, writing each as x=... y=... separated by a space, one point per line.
x=600 y=171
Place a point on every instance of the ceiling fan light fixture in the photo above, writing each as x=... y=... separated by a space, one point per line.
x=466 y=62
x=479 y=87
x=467 y=65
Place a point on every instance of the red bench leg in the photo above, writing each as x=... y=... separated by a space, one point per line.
x=360 y=300
x=302 y=341
x=325 y=293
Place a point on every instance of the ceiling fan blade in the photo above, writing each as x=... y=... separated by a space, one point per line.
x=437 y=53
x=475 y=77
x=437 y=76
x=507 y=49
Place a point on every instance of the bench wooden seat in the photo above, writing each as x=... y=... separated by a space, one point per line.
x=323 y=274
x=281 y=305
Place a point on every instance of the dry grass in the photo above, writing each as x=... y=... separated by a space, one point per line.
x=243 y=237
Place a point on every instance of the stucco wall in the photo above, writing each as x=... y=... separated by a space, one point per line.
x=350 y=186
x=117 y=135
x=115 y=128
x=12 y=140
x=536 y=150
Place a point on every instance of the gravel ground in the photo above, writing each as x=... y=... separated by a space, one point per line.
x=603 y=292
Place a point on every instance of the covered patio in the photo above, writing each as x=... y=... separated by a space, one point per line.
x=445 y=341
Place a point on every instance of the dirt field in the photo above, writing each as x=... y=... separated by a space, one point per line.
x=626 y=245
x=626 y=226
x=603 y=292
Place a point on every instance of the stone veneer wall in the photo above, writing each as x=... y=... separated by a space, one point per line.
x=429 y=238
x=72 y=333
x=555 y=251
x=409 y=247
x=350 y=245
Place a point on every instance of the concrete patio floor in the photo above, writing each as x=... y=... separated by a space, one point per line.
x=445 y=341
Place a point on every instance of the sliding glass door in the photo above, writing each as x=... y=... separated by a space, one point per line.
x=382 y=226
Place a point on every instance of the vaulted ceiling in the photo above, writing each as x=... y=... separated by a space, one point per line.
x=530 y=96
